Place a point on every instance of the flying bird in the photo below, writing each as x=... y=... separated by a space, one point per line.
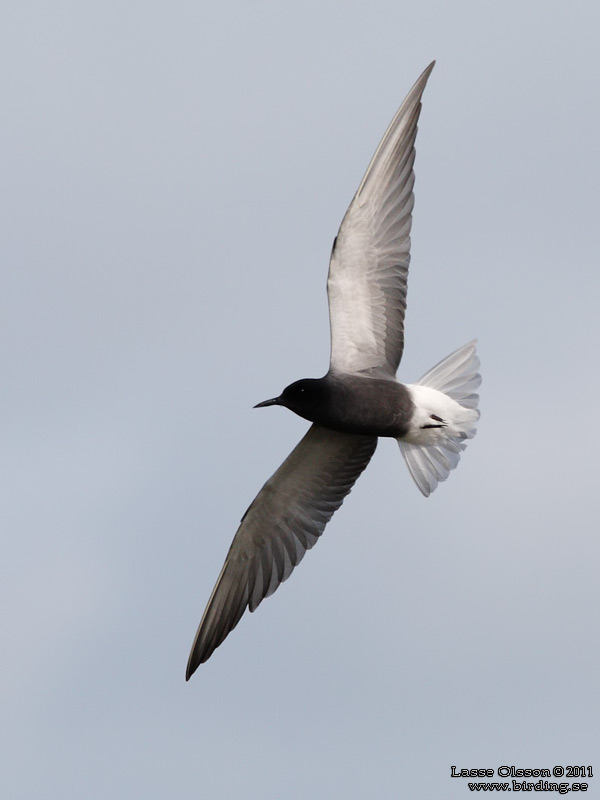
x=358 y=400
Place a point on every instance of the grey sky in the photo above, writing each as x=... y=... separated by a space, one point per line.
x=173 y=177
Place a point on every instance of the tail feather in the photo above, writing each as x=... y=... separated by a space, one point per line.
x=432 y=453
x=430 y=464
x=457 y=375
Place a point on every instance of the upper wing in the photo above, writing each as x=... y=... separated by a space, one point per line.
x=369 y=262
x=284 y=521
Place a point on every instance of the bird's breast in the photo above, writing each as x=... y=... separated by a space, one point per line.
x=367 y=406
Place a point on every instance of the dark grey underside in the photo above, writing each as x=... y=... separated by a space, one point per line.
x=353 y=404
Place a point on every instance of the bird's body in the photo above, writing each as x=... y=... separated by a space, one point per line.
x=358 y=400
x=351 y=404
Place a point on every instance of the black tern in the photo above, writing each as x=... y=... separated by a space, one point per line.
x=358 y=400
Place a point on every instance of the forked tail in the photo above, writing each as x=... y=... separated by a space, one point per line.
x=444 y=417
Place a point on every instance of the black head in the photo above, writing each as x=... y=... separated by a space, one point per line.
x=302 y=397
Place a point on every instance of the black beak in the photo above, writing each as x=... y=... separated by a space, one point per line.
x=273 y=402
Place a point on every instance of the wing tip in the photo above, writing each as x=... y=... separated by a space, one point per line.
x=197 y=657
x=424 y=76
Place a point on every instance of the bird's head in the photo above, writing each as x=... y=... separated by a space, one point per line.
x=302 y=397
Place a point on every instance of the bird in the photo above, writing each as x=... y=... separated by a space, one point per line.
x=358 y=400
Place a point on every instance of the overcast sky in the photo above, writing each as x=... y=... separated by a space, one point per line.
x=173 y=175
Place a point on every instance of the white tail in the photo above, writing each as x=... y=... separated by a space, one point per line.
x=446 y=394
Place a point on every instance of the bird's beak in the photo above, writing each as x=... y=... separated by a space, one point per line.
x=273 y=402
